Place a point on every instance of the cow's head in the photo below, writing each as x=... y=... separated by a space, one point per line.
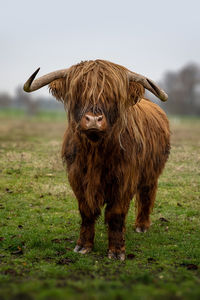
x=96 y=94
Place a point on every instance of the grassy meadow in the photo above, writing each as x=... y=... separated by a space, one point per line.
x=39 y=222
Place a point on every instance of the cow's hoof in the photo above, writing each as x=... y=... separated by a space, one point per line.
x=82 y=250
x=85 y=250
x=77 y=248
x=120 y=256
x=141 y=229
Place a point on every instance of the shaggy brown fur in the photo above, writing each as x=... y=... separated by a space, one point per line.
x=126 y=161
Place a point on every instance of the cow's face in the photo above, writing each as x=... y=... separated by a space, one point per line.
x=95 y=120
x=97 y=95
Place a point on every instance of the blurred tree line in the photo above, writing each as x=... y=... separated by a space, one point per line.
x=28 y=102
x=182 y=87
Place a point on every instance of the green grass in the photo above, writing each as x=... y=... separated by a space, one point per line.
x=39 y=222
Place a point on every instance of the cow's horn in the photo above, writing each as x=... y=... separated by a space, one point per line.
x=149 y=85
x=33 y=85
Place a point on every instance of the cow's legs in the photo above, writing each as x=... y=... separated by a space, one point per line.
x=145 y=198
x=115 y=218
x=86 y=239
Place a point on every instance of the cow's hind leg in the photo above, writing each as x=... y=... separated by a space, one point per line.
x=86 y=239
x=145 y=198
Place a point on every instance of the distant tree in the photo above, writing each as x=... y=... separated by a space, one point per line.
x=5 y=100
x=25 y=101
x=183 y=90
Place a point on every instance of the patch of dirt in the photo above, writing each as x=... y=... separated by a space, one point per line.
x=11 y=272
x=163 y=220
x=58 y=241
x=8 y=190
x=189 y=266
x=151 y=260
x=64 y=261
x=19 y=251
x=130 y=256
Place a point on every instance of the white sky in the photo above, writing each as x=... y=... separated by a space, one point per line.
x=148 y=37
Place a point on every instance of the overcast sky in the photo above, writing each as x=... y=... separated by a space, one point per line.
x=148 y=37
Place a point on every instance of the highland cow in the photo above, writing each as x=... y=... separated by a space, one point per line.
x=115 y=146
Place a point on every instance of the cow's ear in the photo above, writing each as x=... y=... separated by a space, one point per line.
x=58 y=89
x=135 y=92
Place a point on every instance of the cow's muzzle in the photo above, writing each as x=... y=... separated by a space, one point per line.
x=94 y=126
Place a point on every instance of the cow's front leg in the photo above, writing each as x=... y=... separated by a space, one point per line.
x=86 y=239
x=116 y=233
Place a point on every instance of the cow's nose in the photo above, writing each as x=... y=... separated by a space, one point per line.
x=93 y=121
